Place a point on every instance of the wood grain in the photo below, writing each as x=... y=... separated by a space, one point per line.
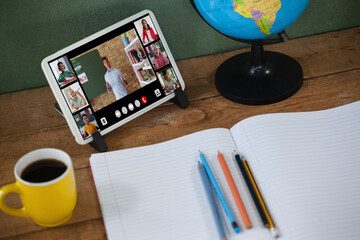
x=28 y=122
x=89 y=230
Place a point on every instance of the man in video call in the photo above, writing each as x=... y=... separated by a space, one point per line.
x=114 y=80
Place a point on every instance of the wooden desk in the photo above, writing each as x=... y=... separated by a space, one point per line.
x=331 y=64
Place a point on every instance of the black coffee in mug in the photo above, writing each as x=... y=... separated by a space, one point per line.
x=43 y=170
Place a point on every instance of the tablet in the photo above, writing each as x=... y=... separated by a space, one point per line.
x=113 y=76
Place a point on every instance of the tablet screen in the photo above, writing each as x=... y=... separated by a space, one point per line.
x=115 y=75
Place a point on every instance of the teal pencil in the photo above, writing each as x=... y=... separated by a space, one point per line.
x=219 y=193
x=210 y=196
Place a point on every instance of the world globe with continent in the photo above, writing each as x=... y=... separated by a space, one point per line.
x=250 y=19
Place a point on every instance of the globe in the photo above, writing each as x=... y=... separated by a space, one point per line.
x=257 y=77
x=250 y=19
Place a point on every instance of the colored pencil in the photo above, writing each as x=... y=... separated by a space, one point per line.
x=219 y=193
x=209 y=193
x=235 y=193
x=264 y=213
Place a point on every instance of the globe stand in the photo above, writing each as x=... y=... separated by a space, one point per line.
x=258 y=77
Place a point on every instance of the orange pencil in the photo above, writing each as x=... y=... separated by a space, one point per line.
x=234 y=191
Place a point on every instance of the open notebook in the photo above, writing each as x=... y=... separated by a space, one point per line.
x=306 y=165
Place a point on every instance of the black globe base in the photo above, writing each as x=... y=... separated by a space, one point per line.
x=258 y=77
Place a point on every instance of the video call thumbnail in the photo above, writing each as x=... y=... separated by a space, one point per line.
x=168 y=80
x=158 y=55
x=63 y=72
x=146 y=30
x=75 y=97
x=86 y=122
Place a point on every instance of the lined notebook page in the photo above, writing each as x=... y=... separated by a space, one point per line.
x=155 y=192
x=308 y=168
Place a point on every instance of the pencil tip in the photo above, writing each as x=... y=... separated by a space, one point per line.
x=235 y=152
x=236 y=227
x=275 y=232
x=219 y=152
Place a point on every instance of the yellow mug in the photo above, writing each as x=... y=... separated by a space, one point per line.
x=49 y=203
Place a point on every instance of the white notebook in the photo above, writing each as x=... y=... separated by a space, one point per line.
x=307 y=167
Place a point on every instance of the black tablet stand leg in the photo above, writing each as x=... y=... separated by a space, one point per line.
x=98 y=141
x=180 y=98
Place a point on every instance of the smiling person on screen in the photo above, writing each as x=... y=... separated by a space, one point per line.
x=89 y=128
x=114 y=80
x=148 y=32
x=64 y=74
x=76 y=100
x=159 y=58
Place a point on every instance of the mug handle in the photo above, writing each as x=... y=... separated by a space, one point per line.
x=5 y=190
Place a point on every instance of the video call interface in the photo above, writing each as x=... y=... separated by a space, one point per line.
x=114 y=76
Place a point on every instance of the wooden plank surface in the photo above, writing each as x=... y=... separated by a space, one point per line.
x=28 y=121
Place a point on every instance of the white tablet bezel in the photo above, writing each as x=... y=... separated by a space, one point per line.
x=57 y=91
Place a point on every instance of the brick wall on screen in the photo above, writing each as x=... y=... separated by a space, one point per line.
x=114 y=51
x=102 y=100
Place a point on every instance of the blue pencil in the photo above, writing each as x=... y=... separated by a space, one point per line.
x=219 y=193
x=210 y=197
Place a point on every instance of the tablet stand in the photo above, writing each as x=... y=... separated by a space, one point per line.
x=180 y=98
x=57 y=108
x=98 y=141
